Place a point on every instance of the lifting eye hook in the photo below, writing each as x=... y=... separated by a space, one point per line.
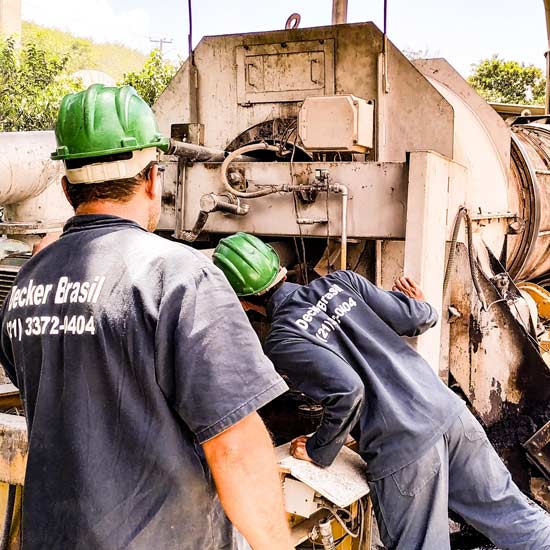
x=293 y=21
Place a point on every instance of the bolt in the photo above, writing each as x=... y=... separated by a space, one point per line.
x=517 y=226
x=235 y=177
x=454 y=314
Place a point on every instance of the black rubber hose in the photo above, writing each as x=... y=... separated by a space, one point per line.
x=5 y=541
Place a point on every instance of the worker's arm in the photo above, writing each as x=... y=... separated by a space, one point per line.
x=408 y=316
x=324 y=377
x=244 y=467
x=214 y=375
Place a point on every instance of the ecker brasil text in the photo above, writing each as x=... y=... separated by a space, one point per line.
x=66 y=291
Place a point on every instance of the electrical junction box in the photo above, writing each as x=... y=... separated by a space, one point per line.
x=299 y=498
x=336 y=123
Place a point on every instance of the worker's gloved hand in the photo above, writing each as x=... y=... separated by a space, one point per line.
x=408 y=287
x=298 y=448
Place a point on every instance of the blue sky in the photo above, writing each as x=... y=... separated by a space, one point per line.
x=463 y=31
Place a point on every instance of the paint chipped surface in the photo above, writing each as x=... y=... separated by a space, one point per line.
x=342 y=483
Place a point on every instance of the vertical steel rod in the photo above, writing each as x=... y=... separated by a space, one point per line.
x=339 y=12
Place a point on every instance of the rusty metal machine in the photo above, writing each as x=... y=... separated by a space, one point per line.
x=332 y=143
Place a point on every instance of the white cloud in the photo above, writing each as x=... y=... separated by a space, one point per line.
x=95 y=19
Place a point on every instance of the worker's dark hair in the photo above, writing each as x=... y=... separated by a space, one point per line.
x=117 y=190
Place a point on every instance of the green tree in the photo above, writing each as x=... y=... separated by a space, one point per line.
x=508 y=81
x=151 y=81
x=32 y=84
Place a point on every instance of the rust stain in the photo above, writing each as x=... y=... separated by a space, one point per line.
x=476 y=335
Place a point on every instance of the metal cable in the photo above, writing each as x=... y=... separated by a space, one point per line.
x=304 y=269
x=328 y=232
x=450 y=261
x=190 y=36
x=471 y=259
x=334 y=512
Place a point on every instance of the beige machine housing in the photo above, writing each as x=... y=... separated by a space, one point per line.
x=336 y=123
x=436 y=147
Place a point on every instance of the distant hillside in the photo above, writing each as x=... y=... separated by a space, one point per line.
x=113 y=59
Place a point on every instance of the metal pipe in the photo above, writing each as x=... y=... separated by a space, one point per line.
x=233 y=156
x=191 y=152
x=547 y=55
x=339 y=12
x=339 y=188
x=26 y=169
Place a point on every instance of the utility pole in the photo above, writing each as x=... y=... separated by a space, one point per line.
x=547 y=55
x=161 y=42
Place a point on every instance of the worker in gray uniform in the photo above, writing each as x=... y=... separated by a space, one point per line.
x=140 y=411
x=339 y=341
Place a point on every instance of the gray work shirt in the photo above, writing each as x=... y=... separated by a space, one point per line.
x=129 y=351
x=338 y=340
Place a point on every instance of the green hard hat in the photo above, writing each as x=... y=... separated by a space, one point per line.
x=250 y=265
x=105 y=121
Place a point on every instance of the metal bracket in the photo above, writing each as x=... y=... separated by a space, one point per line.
x=29 y=228
x=538 y=449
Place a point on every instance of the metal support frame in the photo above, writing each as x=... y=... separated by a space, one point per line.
x=425 y=238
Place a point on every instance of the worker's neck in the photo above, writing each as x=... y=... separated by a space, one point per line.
x=127 y=210
x=248 y=306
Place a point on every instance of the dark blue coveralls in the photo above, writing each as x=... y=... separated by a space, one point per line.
x=121 y=344
x=339 y=341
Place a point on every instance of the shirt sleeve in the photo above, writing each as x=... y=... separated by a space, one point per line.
x=6 y=351
x=407 y=316
x=330 y=381
x=209 y=361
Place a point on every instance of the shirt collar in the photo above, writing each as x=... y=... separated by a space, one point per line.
x=97 y=221
x=279 y=296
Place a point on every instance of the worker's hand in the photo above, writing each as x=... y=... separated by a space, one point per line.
x=298 y=448
x=408 y=287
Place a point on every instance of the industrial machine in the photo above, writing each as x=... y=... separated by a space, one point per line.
x=332 y=144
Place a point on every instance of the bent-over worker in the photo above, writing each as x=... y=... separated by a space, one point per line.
x=139 y=407
x=339 y=341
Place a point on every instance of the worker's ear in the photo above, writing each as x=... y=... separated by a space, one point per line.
x=153 y=186
x=64 y=184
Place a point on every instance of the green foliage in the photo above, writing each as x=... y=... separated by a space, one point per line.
x=153 y=78
x=503 y=81
x=113 y=59
x=32 y=83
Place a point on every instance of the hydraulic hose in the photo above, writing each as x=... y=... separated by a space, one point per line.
x=237 y=153
x=6 y=529
x=463 y=214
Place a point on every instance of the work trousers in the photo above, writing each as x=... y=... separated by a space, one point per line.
x=464 y=473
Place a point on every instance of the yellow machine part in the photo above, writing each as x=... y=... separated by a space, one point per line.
x=541 y=297
x=348 y=543
x=15 y=531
